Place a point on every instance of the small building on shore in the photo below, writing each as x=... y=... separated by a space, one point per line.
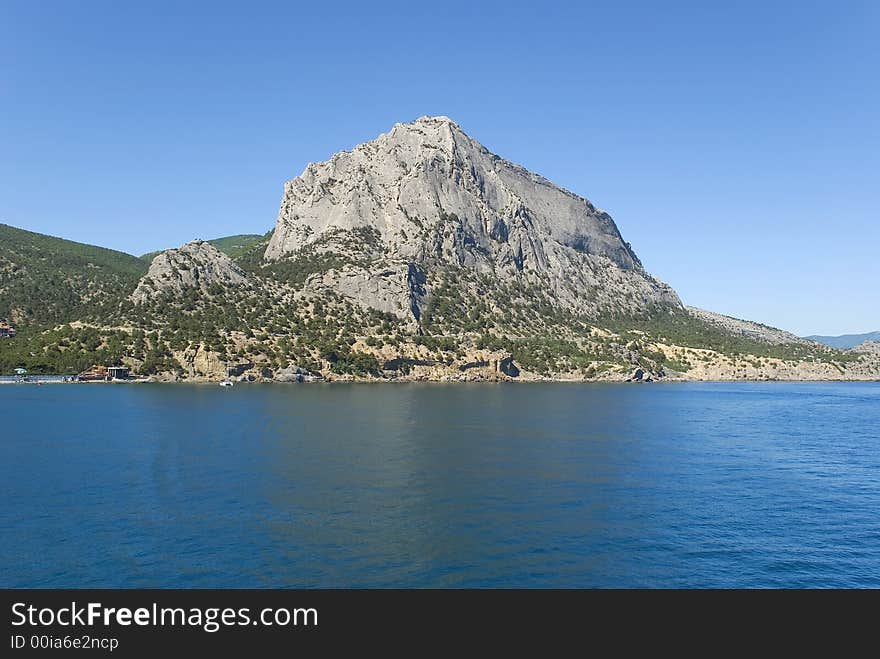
x=118 y=372
x=94 y=374
x=99 y=373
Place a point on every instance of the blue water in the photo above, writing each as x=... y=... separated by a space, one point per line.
x=571 y=485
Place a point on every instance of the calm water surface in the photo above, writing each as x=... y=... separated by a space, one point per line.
x=689 y=485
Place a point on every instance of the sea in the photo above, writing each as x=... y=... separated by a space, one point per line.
x=560 y=485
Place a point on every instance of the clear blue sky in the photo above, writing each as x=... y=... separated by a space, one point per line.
x=737 y=145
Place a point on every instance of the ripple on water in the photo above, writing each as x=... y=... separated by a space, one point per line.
x=698 y=485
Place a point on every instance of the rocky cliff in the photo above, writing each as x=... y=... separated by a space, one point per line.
x=426 y=196
x=197 y=265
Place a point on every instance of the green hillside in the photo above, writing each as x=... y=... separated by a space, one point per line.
x=46 y=280
x=233 y=246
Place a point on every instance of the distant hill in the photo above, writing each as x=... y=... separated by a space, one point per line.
x=46 y=280
x=233 y=246
x=845 y=341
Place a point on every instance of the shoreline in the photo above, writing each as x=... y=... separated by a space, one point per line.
x=662 y=381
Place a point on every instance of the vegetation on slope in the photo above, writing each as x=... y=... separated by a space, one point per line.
x=682 y=329
x=70 y=349
x=283 y=320
x=46 y=280
x=234 y=247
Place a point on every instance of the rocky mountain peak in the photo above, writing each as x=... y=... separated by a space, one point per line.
x=197 y=264
x=429 y=196
x=432 y=132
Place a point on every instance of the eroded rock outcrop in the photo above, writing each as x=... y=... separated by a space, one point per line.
x=197 y=264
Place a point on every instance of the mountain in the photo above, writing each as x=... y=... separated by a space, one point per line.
x=46 y=280
x=747 y=328
x=845 y=341
x=232 y=246
x=425 y=205
x=197 y=265
x=418 y=255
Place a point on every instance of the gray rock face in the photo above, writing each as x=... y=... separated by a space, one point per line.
x=747 y=328
x=195 y=265
x=432 y=195
x=386 y=289
x=292 y=373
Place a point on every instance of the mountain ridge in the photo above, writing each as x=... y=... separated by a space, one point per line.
x=418 y=256
x=845 y=341
x=233 y=246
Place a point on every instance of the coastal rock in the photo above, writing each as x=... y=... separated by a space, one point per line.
x=238 y=369
x=641 y=375
x=291 y=373
x=198 y=362
x=728 y=368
